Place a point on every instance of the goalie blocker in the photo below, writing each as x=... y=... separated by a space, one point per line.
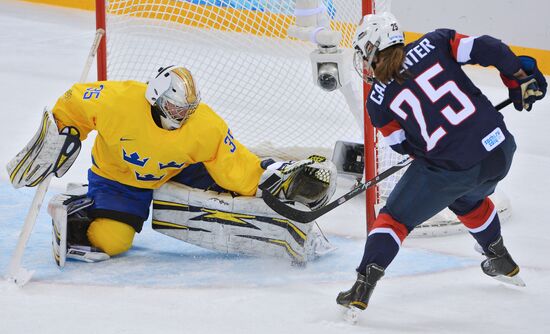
x=49 y=151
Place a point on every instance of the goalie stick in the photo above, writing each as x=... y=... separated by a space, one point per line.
x=307 y=216
x=16 y=273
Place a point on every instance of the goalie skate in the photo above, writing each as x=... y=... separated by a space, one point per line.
x=70 y=209
x=317 y=245
x=86 y=254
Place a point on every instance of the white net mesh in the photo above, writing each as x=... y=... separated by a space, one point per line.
x=247 y=68
x=386 y=158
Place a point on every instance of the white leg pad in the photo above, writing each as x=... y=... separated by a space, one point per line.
x=244 y=225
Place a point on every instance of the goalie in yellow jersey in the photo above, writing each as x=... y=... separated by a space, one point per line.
x=152 y=133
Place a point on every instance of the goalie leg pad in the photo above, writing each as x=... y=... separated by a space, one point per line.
x=49 y=151
x=243 y=225
x=69 y=225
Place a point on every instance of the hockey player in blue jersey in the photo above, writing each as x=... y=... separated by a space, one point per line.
x=426 y=106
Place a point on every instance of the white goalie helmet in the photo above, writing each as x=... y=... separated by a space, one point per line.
x=174 y=91
x=375 y=33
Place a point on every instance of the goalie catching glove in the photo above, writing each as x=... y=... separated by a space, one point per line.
x=49 y=151
x=311 y=181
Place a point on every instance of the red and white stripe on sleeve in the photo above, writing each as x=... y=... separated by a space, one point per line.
x=461 y=46
x=393 y=133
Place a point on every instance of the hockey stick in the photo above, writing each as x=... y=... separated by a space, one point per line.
x=16 y=273
x=503 y=104
x=307 y=216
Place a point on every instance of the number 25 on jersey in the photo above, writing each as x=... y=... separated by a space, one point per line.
x=454 y=117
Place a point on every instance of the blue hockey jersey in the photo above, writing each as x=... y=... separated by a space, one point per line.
x=438 y=114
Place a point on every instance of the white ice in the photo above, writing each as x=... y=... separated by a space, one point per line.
x=162 y=286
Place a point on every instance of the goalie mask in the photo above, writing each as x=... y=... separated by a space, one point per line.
x=174 y=92
x=375 y=33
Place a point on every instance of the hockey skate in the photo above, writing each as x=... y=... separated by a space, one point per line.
x=357 y=298
x=317 y=245
x=500 y=265
x=69 y=225
x=86 y=253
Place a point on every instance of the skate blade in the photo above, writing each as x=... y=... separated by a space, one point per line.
x=514 y=280
x=350 y=314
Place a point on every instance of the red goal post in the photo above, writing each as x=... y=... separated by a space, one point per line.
x=371 y=168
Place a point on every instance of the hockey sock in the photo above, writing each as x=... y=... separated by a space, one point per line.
x=383 y=242
x=483 y=223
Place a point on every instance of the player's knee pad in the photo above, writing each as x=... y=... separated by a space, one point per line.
x=244 y=224
x=111 y=236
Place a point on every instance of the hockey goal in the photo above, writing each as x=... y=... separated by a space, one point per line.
x=248 y=70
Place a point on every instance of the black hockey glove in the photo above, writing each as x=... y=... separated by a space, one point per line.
x=524 y=92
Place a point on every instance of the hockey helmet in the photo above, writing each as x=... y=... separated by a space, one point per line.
x=174 y=92
x=375 y=33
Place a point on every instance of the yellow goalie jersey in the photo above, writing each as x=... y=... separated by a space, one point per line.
x=131 y=149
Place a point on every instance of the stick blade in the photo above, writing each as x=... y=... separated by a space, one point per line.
x=19 y=276
x=284 y=210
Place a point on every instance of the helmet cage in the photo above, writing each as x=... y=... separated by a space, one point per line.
x=176 y=111
x=174 y=93
x=375 y=33
x=363 y=62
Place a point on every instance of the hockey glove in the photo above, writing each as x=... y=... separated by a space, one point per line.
x=49 y=151
x=524 y=92
x=311 y=181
